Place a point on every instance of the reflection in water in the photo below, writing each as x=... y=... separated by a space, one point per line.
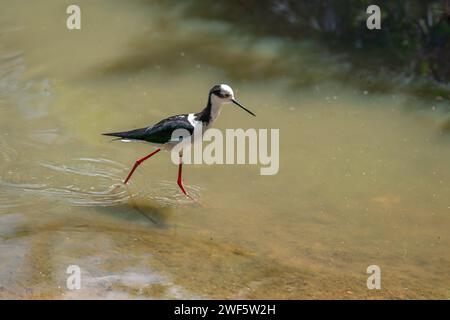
x=363 y=178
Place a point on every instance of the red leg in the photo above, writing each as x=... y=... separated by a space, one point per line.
x=138 y=162
x=180 y=179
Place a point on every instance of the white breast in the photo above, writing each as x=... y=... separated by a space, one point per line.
x=192 y=121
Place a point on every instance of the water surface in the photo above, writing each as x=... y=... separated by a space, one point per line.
x=364 y=177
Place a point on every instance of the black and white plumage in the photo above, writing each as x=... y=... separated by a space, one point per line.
x=161 y=134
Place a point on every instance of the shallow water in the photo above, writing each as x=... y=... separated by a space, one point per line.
x=363 y=180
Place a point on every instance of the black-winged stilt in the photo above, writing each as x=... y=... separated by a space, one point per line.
x=160 y=134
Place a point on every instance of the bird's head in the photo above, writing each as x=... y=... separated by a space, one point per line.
x=222 y=93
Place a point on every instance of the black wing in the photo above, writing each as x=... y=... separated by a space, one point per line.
x=137 y=134
x=159 y=133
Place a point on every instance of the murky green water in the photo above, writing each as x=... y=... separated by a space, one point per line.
x=364 y=178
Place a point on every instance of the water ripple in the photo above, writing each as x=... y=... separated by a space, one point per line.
x=11 y=200
x=108 y=190
x=167 y=193
x=89 y=169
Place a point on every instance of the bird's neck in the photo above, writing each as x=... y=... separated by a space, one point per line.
x=212 y=110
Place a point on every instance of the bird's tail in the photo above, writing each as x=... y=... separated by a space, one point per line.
x=120 y=135
x=137 y=134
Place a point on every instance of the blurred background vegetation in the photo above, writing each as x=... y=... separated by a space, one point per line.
x=412 y=47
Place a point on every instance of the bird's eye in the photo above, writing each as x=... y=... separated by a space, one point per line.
x=222 y=94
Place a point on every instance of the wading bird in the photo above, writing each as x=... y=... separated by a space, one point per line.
x=160 y=135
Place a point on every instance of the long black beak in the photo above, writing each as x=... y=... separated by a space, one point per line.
x=240 y=105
